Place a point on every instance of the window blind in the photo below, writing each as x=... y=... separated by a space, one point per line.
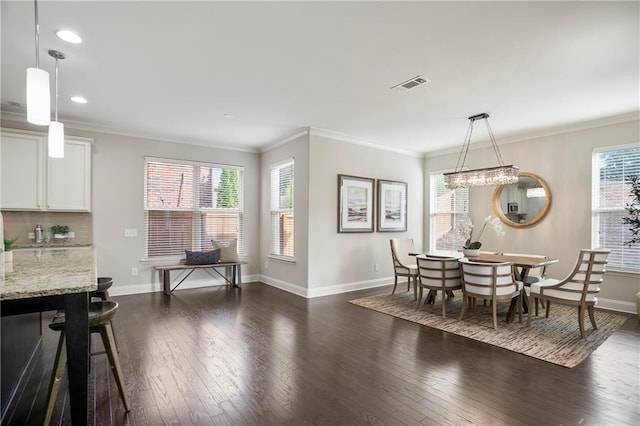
x=611 y=194
x=447 y=207
x=282 y=210
x=189 y=204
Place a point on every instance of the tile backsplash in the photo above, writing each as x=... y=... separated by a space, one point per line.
x=20 y=224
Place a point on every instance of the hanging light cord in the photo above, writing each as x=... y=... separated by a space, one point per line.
x=56 y=88
x=35 y=3
x=462 y=158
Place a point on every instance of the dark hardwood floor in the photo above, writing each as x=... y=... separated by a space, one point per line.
x=259 y=355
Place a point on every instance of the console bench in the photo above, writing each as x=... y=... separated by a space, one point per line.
x=232 y=275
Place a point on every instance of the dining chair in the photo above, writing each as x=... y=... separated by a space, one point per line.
x=578 y=289
x=490 y=281
x=404 y=265
x=438 y=274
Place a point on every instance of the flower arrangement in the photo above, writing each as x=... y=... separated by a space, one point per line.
x=465 y=228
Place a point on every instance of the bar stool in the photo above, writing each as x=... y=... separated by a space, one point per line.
x=102 y=293
x=100 y=315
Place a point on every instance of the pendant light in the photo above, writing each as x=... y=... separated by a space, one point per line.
x=38 y=98
x=56 y=129
x=488 y=176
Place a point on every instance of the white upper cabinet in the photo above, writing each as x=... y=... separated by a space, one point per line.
x=21 y=171
x=33 y=181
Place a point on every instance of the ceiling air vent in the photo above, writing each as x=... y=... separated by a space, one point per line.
x=410 y=84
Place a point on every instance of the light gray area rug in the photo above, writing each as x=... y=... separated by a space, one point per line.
x=555 y=339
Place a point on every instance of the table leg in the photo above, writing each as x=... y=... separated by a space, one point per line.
x=76 y=307
x=166 y=281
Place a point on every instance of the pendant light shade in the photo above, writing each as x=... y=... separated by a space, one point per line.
x=38 y=99
x=56 y=129
x=56 y=139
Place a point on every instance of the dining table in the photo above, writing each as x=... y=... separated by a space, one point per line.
x=39 y=280
x=522 y=264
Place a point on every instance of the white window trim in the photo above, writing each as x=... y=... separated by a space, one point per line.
x=278 y=165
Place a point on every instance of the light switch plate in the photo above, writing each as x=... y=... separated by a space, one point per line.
x=130 y=232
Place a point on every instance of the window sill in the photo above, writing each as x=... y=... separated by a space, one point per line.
x=626 y=273
x=284 y=259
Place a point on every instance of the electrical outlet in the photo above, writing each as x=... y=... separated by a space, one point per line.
x=266 y=264
x=376 y=267
x=32 y=236
x=134 y=272
x=130 y=232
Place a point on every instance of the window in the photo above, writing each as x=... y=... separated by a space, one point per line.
x=611 y=193
x=282 y=210
x=447 y=207
x=189 y=204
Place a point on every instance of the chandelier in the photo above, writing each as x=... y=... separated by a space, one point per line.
x=498 y=175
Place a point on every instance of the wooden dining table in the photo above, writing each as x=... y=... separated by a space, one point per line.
x=522 y=264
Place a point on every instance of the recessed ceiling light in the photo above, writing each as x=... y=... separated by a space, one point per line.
x=78 y=99
x=69 y=36
x=229 y=116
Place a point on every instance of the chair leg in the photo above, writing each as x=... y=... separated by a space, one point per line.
x=415 y=287
x=419 y=298
x=56 y=377
x=465 y=300
x=444 y=305
x=533 y=301
x=495 y=314
x=591 y=309
x=581 y=320
x=519 y=302
x=548 y=308
x=395 y=284
x=106 y=332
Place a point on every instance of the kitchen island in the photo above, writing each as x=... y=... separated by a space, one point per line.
x=41 y=280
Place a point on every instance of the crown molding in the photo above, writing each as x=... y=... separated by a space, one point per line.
x=277 y=143
x=89 y=127
x=548 y=132
x=314 y=131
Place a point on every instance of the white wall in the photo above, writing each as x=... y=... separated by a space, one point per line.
x=117 y=192
x=341 y=262
x=290 y=276
x=563 y=161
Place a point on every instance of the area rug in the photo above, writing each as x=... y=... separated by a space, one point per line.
x=555 y=339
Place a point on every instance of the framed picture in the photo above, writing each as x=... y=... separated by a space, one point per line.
x=512 y=207
x=355 y=204
x=392 y=206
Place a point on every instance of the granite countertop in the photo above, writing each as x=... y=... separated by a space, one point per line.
x=48 y=272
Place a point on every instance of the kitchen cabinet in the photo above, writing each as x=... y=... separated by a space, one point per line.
x=33 y=181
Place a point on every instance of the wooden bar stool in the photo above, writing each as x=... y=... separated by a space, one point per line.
x=100 y=315
x=102 y=293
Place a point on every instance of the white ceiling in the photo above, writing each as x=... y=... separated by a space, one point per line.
x=172 y=70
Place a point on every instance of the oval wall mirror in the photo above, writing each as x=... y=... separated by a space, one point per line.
x=524 y=203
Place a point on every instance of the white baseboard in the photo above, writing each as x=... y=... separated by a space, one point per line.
x=325 y=290
x=616 y=305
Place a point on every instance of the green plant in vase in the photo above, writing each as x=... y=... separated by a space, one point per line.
x=633 y=220
x=8 y=246
x=59 y=233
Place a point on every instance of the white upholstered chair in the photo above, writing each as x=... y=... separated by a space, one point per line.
x=578 y=289
x=438 y=274
x=404 y=265
x=490 y=281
